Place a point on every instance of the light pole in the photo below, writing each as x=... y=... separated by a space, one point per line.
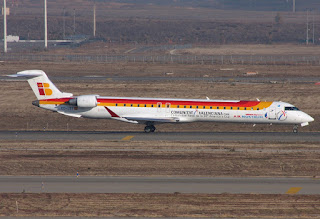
x=45 y=25
x=94 y=20
x=74 y=21
x=293 y=6
x=5 y=25
x=307 y=40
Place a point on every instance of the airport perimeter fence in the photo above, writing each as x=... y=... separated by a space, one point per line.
x=165 y=59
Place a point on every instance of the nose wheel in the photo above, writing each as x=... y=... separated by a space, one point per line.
x=295 y=129
x=149 y=128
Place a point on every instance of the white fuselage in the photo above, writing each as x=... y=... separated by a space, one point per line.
x=156 y=110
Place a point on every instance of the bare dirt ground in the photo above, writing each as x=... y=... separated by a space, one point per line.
x=121 y=158
x=123 y=69
x=160 y=205
x=263 y=49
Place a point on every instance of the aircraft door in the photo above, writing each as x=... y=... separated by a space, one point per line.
x=168 y=109
x=159 y=107
x=272 y=113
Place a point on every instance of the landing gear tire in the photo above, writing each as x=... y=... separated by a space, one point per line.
x=149 y=128
x=295 y=129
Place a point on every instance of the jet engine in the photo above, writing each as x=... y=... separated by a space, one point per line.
x=84 y=101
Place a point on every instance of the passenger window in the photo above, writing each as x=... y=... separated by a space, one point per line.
x=217 y=107
x=178 y=106
x=151 y=105
x=231 y=107
x=210 y=107
x=238 y=108
x=131 y=105
x=185 y=106
x=224 y=107
x=257 y=108
x=116 y=104
x=138 y=105
x=245 y=108
x=190 y=107
x=124 y=104
x=197 y=107
x=145 y=105
x=204 y=107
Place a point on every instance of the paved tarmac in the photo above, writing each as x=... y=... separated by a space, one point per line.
x=109 y=184
x=163 y=136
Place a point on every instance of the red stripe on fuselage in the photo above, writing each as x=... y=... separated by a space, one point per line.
x=241 y=103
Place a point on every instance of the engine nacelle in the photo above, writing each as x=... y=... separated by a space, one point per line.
x=84 y=101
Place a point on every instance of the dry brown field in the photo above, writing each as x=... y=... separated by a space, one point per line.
x=161 y=205
x=159 y=158
x=262 y=49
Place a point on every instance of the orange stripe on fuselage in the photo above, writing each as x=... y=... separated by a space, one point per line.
x=58 y=101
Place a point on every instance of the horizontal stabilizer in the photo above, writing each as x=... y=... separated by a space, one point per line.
x=28 y=74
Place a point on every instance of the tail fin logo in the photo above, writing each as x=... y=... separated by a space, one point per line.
x=44 y=89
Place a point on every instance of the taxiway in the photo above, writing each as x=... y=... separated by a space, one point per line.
x=104 y=184
x=163 y=136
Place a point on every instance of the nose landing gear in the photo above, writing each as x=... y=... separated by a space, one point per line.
x=295 y=129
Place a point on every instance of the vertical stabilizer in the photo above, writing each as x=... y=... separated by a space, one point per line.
x=41 y=85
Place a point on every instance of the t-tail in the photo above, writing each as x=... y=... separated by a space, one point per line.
x=41 y=85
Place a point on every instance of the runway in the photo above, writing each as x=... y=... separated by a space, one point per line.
x=101 y=184
x=163 y=136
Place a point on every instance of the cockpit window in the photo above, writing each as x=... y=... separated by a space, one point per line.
x=291 y=108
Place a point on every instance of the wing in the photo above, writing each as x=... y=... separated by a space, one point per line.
x=69 y=114
x=142 y=119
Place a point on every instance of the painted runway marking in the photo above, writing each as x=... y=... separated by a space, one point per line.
x=127 y=138
x=293 y=190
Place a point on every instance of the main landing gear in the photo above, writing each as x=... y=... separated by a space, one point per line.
x=149 y=128
x=295 y=129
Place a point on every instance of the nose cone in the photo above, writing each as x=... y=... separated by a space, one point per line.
x=310 y=119
x=307 y=118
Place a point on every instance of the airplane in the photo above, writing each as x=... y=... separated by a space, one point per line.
x=152 y=111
